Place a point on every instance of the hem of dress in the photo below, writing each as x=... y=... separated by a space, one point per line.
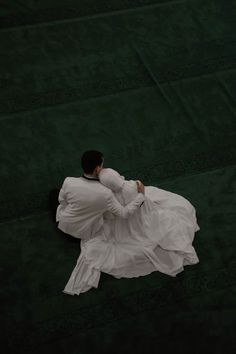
x=83 y=278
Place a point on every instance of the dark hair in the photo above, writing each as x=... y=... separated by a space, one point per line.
x=90 y=160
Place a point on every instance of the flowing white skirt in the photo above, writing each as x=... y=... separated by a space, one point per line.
x=158 y=237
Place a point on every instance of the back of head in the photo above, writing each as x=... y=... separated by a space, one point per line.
x=90 y=160
x=111 y=179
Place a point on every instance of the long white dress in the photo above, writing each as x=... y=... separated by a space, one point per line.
x=157 y=237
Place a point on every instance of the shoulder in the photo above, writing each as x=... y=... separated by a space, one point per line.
x=68 y=180
x=94 y=186
x=71 y=181
x=104 y=190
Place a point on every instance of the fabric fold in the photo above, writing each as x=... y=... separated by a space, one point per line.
x=83 y=278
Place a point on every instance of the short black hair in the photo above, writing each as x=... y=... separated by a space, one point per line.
x=90 y=160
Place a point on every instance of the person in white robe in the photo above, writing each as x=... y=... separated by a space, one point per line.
x=158 y=236
x=83 y=203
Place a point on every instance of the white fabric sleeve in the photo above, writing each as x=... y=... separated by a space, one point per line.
x=62 y=196
x=124 y=211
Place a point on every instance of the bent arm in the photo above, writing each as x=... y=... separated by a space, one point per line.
x=124 y=211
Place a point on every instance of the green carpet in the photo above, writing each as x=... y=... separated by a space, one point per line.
x=152 y=85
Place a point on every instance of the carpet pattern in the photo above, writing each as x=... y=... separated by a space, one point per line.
x=151 y=84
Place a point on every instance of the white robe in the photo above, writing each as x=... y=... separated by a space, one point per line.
x=156 y=237
x=84 y=204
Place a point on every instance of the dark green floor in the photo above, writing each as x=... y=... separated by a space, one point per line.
x=151 y=84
